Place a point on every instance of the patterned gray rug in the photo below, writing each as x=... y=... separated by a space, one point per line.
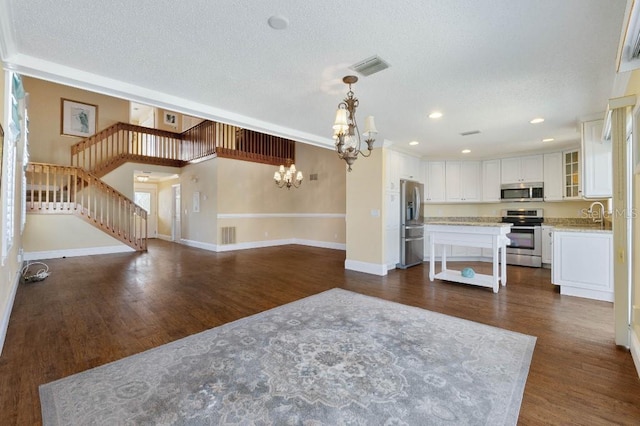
x=336 y=358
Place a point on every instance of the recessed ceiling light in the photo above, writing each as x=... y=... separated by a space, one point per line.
x=414 y=143
x=537 y=120
x=278 y=22
x=466 y=151
x=548 y=140
x=435 y=114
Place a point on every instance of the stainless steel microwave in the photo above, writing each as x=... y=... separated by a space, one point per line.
x=533 y=191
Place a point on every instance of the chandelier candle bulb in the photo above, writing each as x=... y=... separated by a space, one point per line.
x=341 y=126
x=369 y=126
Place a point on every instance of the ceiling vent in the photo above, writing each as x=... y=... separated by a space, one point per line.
x=469 y=133
x=370 y=66
x=629 y=50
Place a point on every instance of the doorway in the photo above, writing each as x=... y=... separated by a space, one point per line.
x=146 y=197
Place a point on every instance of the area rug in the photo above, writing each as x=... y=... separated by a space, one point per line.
x=335 y=358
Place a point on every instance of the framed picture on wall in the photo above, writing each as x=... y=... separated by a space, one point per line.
x=78 y=119
x=170 y=119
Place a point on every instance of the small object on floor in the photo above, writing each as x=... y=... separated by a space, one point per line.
x=468 y=273
x=39 y=275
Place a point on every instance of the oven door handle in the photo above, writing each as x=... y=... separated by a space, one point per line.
x=525 y=227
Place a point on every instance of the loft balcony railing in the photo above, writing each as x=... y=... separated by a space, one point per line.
x=58 y=189
x=122 y=142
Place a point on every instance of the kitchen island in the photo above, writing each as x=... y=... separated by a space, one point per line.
x=471 y=234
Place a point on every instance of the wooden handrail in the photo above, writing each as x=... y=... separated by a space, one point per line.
x=71 y=190
x=123 y=142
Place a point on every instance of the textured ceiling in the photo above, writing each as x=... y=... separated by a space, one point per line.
x=489 y=65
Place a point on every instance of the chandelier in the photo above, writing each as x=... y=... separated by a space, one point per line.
x=288 y=176
x=345 y=128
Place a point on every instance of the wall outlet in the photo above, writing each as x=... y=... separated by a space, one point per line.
x=266 y=233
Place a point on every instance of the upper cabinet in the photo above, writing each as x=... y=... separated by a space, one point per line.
x=392 y=171
x=462 y=181
x=410 y=168
x=597 y=173
x=434 y=181
x=572 y=184
x=553 y=177
x=522 y=169
x=491 y=181
x=400 y=166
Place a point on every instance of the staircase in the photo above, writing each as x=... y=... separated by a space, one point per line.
x=78 y=189
x=53 y=189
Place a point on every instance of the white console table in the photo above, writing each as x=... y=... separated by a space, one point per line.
x=470 y=234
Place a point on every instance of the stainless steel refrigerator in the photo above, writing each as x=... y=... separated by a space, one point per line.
x=411 y=224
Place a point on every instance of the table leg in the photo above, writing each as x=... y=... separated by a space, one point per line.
x=432 y=259
x=503 y=258
x=444 y=257
x=495 y=265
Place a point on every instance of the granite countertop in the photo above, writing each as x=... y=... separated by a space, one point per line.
x=456 y=223
x=578 y=228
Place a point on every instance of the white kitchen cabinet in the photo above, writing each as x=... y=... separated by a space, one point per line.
x=434 y=181
x=410 y=167
x=547 y=244
x=571 y=172
x=392 y=170
x=491 y=181
x=462 y=181
x=553 y=177
x=597 y=173
x=392 y=207
x=583 y=263
x=392 y=247
x=522 y=169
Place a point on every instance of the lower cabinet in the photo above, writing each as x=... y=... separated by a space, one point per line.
x=547 y=244
x=392 y=245
x=583 y=264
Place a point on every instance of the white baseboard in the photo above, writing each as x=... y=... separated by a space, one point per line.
x=164 y=237
x=4 y=323
x=321 y=244
x=198 y=244
x=366 y=267
x=261 y=244
x=255 y=244
x=89 y=251
x=635 y=351
x=606 y=296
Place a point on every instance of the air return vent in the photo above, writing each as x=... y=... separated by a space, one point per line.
x=228 y=234
x=370 y=66
x=470 y=132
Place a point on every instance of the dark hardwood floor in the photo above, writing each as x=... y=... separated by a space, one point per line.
x=97 y=309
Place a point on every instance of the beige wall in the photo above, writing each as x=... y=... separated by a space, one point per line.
x=165 y=200
x=365 y=238
x=53 y=232
x=201 y=177
x=247 y=189
x=47 y=144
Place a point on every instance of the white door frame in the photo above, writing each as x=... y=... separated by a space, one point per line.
x=176 y=222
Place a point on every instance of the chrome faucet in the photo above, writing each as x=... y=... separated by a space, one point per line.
x=600 y=217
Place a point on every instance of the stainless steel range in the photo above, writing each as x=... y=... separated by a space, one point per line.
x=525 y=248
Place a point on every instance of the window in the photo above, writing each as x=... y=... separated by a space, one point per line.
x=13 y=133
